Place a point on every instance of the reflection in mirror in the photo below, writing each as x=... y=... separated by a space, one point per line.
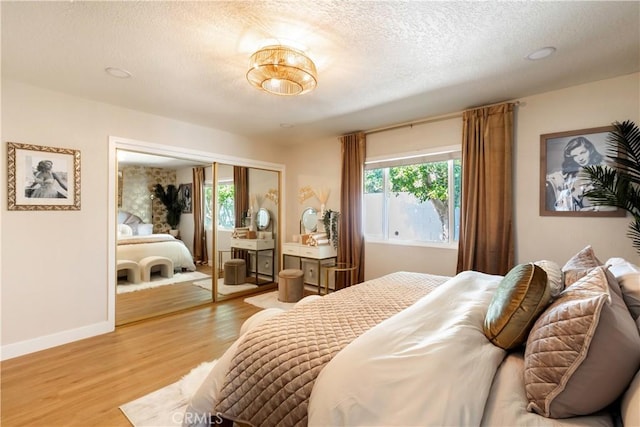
x=309 y=220
x=263 y=219
x=246 y=261
x=142 y=238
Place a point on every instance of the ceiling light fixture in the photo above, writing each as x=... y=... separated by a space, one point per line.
x=282 y=70
x=542 y=53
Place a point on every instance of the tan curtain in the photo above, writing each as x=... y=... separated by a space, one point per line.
x=351 y=237
x=199 y=236
x=241 y=205
x=486 y=211
x=241 y=191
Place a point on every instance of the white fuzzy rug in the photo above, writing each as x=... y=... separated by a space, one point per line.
x=269 y=300
x=165 y=407
x=157 y=280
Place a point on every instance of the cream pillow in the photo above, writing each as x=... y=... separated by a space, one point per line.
x=124 y=230
x=582 y=352
x=554 y=276
x=579 y=265
x=628 y=276
x=145 y=229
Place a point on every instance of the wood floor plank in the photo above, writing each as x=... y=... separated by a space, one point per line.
x=84 y=383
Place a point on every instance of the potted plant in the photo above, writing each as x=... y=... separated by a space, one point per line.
x=171 y=200
x=330 y=221
x=617 y=184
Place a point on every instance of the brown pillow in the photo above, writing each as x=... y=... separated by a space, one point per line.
x=579 y=265
x=518 y=301
x=582 y=352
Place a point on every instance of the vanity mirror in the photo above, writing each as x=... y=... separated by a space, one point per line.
x=309 y=220
x=245 y=265
x=263 y=219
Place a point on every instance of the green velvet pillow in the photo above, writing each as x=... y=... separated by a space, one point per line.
x=521 y=297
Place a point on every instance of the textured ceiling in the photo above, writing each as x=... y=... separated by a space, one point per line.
x=379 y=63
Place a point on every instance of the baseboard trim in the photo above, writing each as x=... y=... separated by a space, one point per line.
x=22 y=348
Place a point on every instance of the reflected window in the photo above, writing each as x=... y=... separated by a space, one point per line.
x=226 y=216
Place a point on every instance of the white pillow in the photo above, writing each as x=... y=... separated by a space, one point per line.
x=124 y=230
x=628 y=276
x=145 y=229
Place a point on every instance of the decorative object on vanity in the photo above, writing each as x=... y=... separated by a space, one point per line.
x=322 y=194
x=272 y=194
x=305 y=193
x=42 y=178
x=282 y=70
x=316 y=239
x=563 y=183
x=330 y=221
x=618 y=183
x=172 y=201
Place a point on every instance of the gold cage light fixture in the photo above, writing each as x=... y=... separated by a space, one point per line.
x=282 y=70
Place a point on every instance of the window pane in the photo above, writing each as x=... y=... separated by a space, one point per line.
x=226 y=208
x=373 y=202
x=413 y=202
x=208 y=215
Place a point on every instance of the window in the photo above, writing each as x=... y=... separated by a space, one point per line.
x=413 y=199
x=226 y=208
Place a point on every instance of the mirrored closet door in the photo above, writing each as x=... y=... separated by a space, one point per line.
x=160 y=216
x=247 y=219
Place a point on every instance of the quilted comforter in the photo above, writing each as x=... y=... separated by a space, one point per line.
x=275 y=367
x=428 y=364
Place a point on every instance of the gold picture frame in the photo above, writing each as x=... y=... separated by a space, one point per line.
x=42 y=178
x=562 y=155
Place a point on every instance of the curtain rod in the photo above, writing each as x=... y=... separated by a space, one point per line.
x=433 y=119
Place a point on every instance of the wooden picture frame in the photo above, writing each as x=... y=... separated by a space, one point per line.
x=185 y=192
x=42 y=178
x=562 y=155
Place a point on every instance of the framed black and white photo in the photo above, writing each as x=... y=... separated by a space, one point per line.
x=562 y=185
x=185 y=192
x=42 y=178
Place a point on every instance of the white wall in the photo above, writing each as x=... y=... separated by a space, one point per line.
x=54 y=264
x=554 y=238
x=579 y=107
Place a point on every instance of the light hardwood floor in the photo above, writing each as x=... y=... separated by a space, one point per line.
x=84 y=383
x=135 y=306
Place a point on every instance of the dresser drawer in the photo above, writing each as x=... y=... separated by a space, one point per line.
x=252 y=244
x=290 y=249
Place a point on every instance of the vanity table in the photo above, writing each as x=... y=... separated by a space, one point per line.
x=257 y=246
x=317 y=254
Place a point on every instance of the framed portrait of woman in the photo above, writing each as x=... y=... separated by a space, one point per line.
x=42 y=178
x=562 y=184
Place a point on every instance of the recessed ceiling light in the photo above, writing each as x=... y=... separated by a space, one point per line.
x=545 y=52
x=118 y=72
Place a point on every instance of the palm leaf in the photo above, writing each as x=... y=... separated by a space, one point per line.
x=623 y=152
x=618 y=184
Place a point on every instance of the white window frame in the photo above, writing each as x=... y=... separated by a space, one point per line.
x=425 y=156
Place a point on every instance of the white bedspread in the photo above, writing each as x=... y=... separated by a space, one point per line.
x=429 y=365
x=156 y=245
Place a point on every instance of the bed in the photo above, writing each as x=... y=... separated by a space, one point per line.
x=416 y=349
x=137 y=241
